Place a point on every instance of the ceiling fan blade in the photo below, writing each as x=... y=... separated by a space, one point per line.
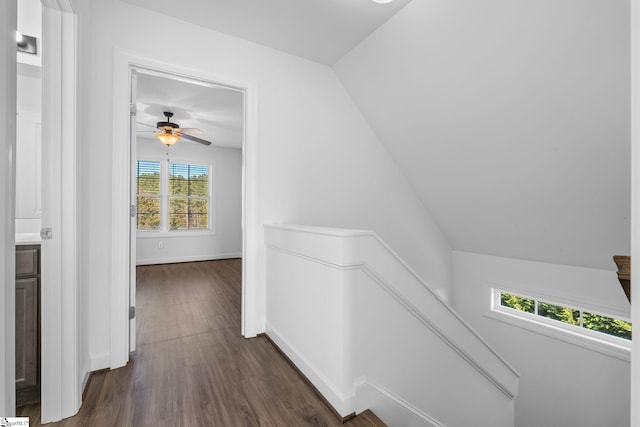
x=192 y=131
x=196 y=139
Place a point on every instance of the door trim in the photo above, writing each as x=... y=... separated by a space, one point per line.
x=60 y=372
x=124 y=62
x=635 y=206
x=8 y=18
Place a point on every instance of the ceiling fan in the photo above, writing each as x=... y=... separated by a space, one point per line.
x=169 y=132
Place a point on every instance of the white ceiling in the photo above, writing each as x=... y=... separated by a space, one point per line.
x=217 y=111
x=319 y=30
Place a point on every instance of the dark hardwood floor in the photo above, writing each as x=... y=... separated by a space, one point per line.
x=193 y=368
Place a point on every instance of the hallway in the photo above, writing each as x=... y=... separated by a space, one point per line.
x=192 y=367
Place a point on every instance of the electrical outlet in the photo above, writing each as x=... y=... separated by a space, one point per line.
x=160 y=245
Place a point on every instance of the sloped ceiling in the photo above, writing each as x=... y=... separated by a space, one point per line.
x=510 y=119
x=319 y=30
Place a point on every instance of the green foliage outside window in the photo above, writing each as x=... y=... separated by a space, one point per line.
x=556 y=312
x=595 y=322
x=607 y=325
x=519 y=303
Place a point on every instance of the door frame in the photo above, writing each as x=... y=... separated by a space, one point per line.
x=124 y=62
x=8 y=81
x=635 y=206
x=61 y=382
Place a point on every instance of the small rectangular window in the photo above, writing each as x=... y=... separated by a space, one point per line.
x=571 y=316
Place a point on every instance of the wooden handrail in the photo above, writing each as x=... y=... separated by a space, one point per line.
x=624 y=273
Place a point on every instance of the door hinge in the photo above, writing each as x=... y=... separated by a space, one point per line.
x=132 y=109
x=132 y=312
x=133 y=211
x=46 y=234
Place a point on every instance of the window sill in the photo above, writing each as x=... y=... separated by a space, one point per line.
x=620 y=351
x=181 y=233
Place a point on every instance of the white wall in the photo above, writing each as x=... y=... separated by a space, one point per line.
x=226 y=207
x=319 y=161
x=561 y=384
x=510 y=119
x=28 y=166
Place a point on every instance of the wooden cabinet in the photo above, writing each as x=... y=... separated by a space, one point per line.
x=27 y=324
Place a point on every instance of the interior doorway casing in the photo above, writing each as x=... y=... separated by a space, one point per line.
x=124 y=64
x=62 y=380
x=8 y=22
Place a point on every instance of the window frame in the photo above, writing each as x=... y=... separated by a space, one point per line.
x=603 y=343
x=164 y=230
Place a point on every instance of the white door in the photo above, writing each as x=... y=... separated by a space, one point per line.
x=134 y=218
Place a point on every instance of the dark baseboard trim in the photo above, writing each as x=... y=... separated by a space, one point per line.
x=313 y=387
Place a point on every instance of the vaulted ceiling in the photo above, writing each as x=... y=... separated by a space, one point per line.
x=510 y=119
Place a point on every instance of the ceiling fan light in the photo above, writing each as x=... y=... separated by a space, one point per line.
x=167 y=138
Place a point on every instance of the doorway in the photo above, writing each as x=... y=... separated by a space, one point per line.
x=186 y=197
x=125 y=65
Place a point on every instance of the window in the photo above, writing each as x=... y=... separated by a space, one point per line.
x=188 y=197
x=148 y=195
x=607 y=333
x=172 y=197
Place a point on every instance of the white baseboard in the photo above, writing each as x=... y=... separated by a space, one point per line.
x=341 y=403
x=191 y=258
x=390 y=408
x=100 y=361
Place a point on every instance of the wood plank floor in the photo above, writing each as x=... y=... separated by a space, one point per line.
x=192 y=367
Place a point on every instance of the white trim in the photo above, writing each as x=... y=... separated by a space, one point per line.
x=343 y=404
x=8 y=15
x=61 y=377
x=155 y=234
x=635 y=206
x=253 y=236
x=100 y=361
x=610 y=346
x=121 y=180
x=192 y=258
x=389 y=407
